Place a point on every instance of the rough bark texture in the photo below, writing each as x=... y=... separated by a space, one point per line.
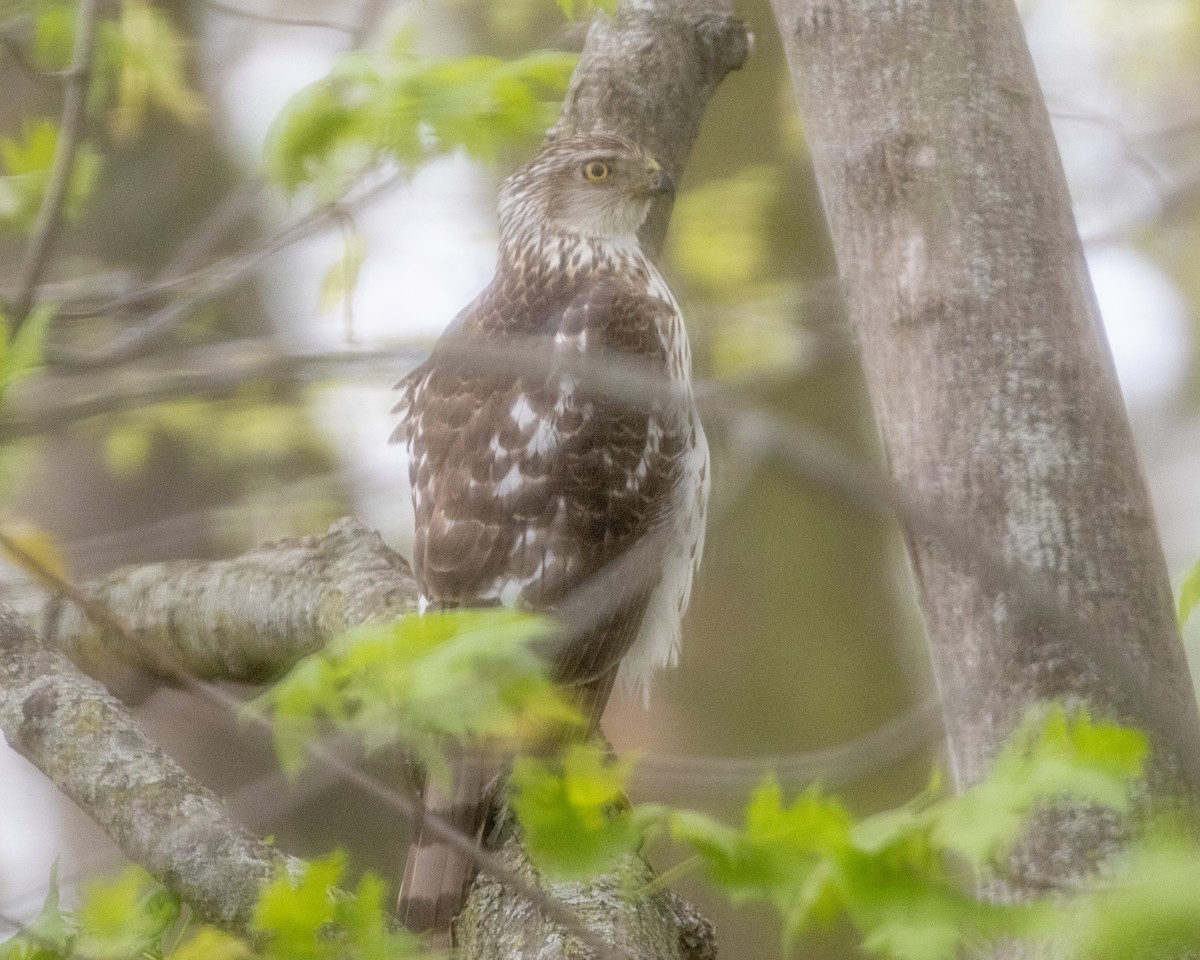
x=89 y=746
x=648 y=73
x=991 y=380
x=498 y=923
x=246 y=619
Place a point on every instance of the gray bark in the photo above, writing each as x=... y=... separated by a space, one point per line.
x=992 y=383
x=245 y=619
x=89 y=746
x=648 y=73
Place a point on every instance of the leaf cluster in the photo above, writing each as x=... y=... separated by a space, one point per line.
x=139 y=65
x=393 y=105
x=445 y=675
x=902 y=877
x=306 y=916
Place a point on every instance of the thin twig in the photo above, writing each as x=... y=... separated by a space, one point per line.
x=210 y=282
x=279 y=20
x=17 y=54
x=62 y=169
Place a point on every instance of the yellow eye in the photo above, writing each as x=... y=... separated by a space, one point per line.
x=596 y=170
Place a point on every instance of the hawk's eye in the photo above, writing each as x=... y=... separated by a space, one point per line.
x=597 y=170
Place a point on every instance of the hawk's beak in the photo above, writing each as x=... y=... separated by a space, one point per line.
x=658 y=181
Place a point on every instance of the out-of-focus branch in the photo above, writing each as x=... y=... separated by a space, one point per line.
x=92 y=749
x=279 y=20
x=55 y=401
x=62 y=168
x=203 y=285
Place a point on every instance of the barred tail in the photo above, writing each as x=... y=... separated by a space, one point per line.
x=438 y=877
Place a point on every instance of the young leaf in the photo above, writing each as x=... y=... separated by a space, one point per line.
x=148 y=56
x=27 y=161
x=48 y=937
x=1189 y=593
x=338 y=286
x=459 y=674
x=123 y=917
x=23 y=352
x=574 y=813
x=1053 y=756
x=35 y=543
x=210 y=943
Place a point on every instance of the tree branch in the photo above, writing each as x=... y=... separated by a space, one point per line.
x=92 y=749
x=70 y=133
x=246 y=619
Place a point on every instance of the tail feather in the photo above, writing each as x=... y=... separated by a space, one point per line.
x=437 y=877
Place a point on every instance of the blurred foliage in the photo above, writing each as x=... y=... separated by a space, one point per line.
x=575 y=8
x=1189 y=594
x=27 y=161
x=393 y=105
x=450 y=674
x=220 y=437
x=898 y=875
x=301 y=917
x=902 y=877
x=139 y=62
x=21 y=350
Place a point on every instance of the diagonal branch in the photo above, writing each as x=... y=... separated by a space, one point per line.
x=90 y=746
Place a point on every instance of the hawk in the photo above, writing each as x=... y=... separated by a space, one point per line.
x=526 y=487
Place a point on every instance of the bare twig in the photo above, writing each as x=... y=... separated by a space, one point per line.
x=70 y=133
x=17 y=54
x=279 y=20
x=209 y=283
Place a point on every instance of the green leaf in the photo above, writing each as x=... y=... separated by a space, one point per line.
x=297 y=917
x=124 y=917
x=49 y=936
x=338 y=286
x=27 y=161
x=572 y=8
x=391 y=105
x=1053 y=756
x=148 y=56
x=210 y=943
x=1189 y=593
x=23 y=353
x=573 y=812
x=457 y=674
x=292 y=912
x=54 y=36
x=1152 y=904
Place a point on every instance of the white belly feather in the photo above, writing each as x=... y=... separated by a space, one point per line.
x=661 y=634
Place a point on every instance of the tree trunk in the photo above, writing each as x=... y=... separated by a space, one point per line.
x=992 y=385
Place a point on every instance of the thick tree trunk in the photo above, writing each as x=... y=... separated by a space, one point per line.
x=991 y=382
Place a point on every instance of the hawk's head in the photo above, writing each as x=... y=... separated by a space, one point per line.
x=595 y=185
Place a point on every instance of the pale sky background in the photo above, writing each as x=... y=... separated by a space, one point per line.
x=431 y=247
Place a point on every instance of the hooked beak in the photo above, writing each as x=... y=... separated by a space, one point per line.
x=658 y=181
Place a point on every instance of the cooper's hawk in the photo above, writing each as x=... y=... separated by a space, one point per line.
x=528 y=484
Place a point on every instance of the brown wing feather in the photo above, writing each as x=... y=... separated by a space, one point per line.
x=525 y=487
